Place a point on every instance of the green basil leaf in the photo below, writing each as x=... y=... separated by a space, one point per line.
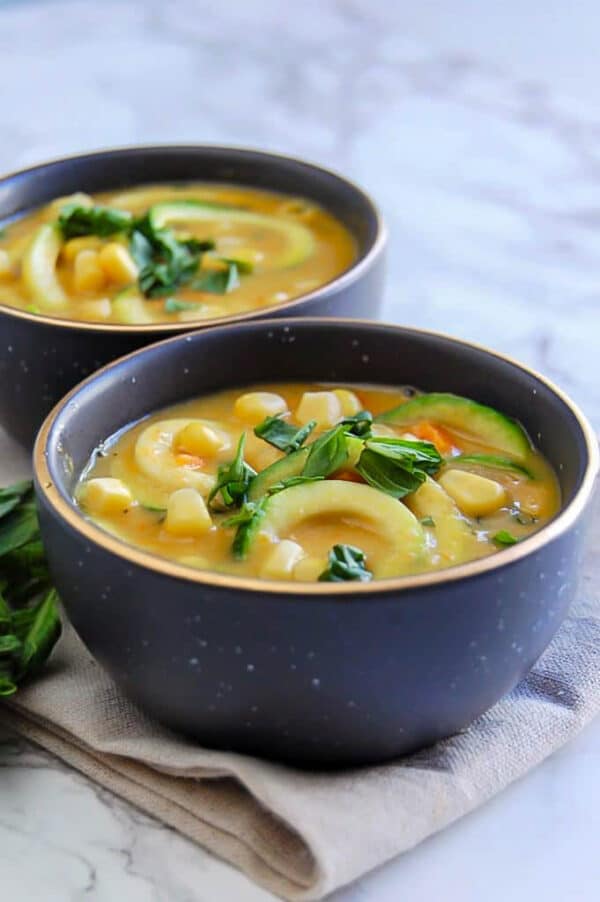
x=346 y=563
x=165 y=262
x=218 y=281
x=41 y=637
x=291 y=482
x=75 y=221
x=247 y=521
x=388 y=475
x=427 y=521
x=233 y=480
x=174 y=305
x=413 y=455
x=328 y=453
x=244 y=267
x=359 y=423
x=504 y=538
x=283 y=435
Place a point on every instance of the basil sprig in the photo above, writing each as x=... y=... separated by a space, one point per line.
x=233 y=480
x=76 y=221
x=29 y=621
x=247 y=521
x=396 y=466
x=504 y=538
x=359 y=423
x=283 y=435
x=218 y=281
x=328 y=453
x=346 y=563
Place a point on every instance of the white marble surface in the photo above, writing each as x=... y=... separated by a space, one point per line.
x=477 y=127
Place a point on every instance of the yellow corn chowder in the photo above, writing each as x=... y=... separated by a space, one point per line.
x=308 y=482
x=169 y=253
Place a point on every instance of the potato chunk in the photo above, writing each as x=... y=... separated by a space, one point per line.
x=309 y=569
x=282 y=560
x=88 y=275
x=475 y=495
x=105 y=495
x=254 y=406
x=187 y=514
x=323 y=406
x=348 y=401
x=117 y=263
x=200 y=439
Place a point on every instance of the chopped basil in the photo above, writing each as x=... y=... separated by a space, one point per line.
x=291 y=482
x=233 y=480
x=244 y=267
x=247 y=521
x=218 y=281
x=346 y=563
x=165 y=262
x=427 y=521
x=396 y=466
x=504 y=538
x=3 y=232
x=282 y=435
x=174 y=305
x=29 y=621
x=328 y=454
x=359 y=424
x=75 y=221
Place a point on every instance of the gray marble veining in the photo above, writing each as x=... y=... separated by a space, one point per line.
x=489 y=177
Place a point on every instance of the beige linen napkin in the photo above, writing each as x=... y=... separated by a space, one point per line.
x=301 y=835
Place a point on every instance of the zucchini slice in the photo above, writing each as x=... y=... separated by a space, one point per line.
x=488 y=460
x=299 y=241
x=403 y=539
x=39 y=268
x=482 y=422
x=285 y=468
x=454 y=539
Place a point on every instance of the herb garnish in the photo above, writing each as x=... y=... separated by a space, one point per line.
x=233 y=480
x=290 y=482
x=359 y=424
x=427 y=521
x=247 y=521
x=328 y=454
x=165 y=261
x=218 y=281
x=29 y=621
x=346 y=563
x=175 y=305
x=76 y=221
x=396 y=466
x=282 y=435
x=504 y=538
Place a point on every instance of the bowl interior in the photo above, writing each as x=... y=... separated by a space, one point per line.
x=312 y=350
x=127 y=167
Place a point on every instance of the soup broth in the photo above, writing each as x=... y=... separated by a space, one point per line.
x=311 y=482
x=169 y=253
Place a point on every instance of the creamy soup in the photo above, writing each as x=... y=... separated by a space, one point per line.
x=169 y=253
x=313 y=482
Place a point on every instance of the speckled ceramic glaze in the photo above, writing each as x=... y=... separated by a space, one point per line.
x=318 y=674
x=42 y=357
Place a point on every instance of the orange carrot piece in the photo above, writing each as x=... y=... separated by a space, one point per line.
x=434 y=434
x=191 y=461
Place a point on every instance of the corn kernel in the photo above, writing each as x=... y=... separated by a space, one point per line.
x=101 y=308
x=71 y=248
x=281 y=561
x=200 y=439
x=105 y=495
x=309 y=569
x=349 y=401
x=187 y=514
x=475 y=495
x=323 y=406
x=88 y=275
x=117 y=263
x=254 y=406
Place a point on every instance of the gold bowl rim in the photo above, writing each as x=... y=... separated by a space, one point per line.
x=564 y=520
x=341 y=281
